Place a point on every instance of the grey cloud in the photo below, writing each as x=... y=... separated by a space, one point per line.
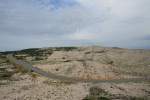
x=31 y=20
x=146 y=37
x=38 y=25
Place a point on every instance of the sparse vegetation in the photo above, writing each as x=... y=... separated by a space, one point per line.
x=65 y=48
x=97 y=93
x=37 y=58
x=5 y=74
x=84 y=63
x=36 y=53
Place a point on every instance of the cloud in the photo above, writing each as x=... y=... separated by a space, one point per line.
x=82 y=35
x=147 y=37
x=73 y=22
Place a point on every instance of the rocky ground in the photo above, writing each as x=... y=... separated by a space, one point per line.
x=83 y=62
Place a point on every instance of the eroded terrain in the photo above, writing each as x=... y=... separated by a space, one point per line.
x=83 y=62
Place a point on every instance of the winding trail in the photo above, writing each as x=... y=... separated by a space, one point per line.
x=29 y=68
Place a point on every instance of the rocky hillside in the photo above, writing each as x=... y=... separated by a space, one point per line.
x=94 y=62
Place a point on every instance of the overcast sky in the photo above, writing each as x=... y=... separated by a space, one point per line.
x=46 y=23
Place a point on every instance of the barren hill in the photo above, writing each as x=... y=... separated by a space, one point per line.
x=94 y=62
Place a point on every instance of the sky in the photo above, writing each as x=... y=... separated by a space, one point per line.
x=50 y=23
